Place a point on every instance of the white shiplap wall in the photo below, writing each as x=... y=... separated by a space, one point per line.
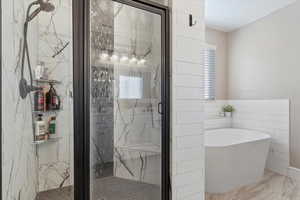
x=213 y=117
x=270 y=116
x=187 y=101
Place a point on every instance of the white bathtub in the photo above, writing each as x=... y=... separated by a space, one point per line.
x=234 y=158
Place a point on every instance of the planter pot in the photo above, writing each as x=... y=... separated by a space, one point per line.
x=228 y=114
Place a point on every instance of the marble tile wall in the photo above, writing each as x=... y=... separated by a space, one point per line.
x=29 y=168
x=270 y=116
x=137 y=123
x=163 y=2
x=55 y=50
x=187 y=101
x=19 y=164
x=102 y=102
x=127 y=132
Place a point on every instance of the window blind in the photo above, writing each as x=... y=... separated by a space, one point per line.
x=209 y=73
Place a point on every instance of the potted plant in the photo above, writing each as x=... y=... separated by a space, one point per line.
x=228 y=110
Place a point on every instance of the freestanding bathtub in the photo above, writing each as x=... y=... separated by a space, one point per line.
x=234 y=158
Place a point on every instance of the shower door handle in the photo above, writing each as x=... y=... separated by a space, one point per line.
x=159 y=107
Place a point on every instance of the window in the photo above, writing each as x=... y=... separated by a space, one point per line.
x=209 y=73
x=131 y=87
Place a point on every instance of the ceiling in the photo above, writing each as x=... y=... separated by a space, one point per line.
x=228 y=15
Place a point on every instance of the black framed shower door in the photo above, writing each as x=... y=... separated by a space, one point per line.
x=81 y=46
x=82 y=93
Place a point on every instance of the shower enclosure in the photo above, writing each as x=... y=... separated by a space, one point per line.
x=110 y=69
x=124 y=99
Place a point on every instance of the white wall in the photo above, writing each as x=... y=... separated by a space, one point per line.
x=187 y=101
x=213 y=115
x=264 y=63
x=271 y=117
x=219 y=40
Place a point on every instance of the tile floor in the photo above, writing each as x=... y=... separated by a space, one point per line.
x=112 y=188
x=272 y=187
x=65 y=193
x=109 y=188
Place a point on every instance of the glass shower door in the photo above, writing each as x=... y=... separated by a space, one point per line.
x=126 y=129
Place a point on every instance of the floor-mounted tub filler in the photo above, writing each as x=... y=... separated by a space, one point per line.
x=234 y=158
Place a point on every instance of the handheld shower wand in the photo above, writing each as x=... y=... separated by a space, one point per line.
x=46 y=6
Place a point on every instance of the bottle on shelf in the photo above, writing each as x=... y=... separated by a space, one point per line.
x=39 y=100
x=52 y=125
x=52 y=99
x=39 y=71
x=40 y=128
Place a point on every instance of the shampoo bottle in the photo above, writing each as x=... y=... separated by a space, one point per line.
x=39 y=70
x=39 y=100
x=52 y=99
x=52 y=125
x=40 y=128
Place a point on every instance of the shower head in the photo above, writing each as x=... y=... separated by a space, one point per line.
x=44 y=5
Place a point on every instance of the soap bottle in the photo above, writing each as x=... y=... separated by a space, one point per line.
x=39 y=100
x=52 y=125
x=39 y=71
x=48 y=100
x=52 y=99
x=55 y=100
x=40 y=128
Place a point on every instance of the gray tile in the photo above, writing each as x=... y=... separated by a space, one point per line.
x=65 y=193
x=109 y=188
x=112 y=188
